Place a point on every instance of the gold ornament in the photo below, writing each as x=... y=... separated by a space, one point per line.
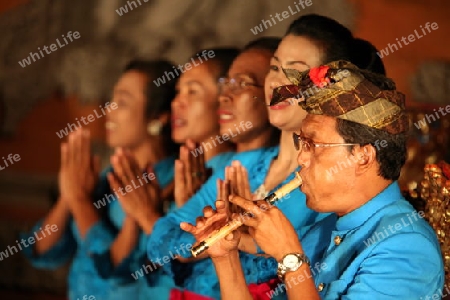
x=433 y=193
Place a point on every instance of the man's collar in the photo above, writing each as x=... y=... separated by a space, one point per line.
x=360 y=215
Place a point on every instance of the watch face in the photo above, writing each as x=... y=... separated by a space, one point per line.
x=290 y=261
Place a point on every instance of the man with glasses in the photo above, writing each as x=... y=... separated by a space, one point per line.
x=374 y=245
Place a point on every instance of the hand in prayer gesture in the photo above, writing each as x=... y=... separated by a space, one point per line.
x=237 y=176
x=138 y=193
x=79 y=171
x=190 y=172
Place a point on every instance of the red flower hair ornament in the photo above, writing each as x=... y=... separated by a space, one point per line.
x=317 y=76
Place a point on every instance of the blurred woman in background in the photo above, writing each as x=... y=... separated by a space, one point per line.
x=255 y=141
x=106 y=244
x=196 y=99
x=195 y=124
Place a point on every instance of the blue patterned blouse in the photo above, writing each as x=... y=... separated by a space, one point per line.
x=91 y=272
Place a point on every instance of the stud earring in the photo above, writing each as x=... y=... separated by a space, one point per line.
x=154 y=127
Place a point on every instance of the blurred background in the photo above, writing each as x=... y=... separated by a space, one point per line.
x=39 y=100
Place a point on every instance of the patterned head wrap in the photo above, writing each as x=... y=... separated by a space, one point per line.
x=341 y=90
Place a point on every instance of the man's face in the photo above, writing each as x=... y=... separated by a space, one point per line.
x=328 y=173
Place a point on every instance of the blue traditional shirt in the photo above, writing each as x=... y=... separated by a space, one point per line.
x=200 y=277
x=91 y=272
x=381 y=250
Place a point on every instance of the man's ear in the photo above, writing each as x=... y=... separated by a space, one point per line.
x=366 y=157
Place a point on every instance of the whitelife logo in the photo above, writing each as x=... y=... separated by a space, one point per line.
x=124 y=9
x=411 y=38
x=91 y=118
x=71 y=36
x=31 y=240
x=430 y=117
x=160 y=262
x=187 y=67
x=381 y=235
x=221 y=138
x=128 y=188
x=11 y=158
x=280 y=17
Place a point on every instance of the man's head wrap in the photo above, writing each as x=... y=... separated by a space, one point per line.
x=341 y=90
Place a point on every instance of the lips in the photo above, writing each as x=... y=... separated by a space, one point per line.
x=281 y=105
x=225 y=116
x=178 y=122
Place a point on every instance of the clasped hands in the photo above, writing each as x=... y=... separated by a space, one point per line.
x=190 y=172
x=79 y=174
x=79 y=170
x=145 y=205
x=142 y=199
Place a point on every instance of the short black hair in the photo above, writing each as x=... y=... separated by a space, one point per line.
x=158 y=98
x=365 y=56
x=222 y=60
x=390 y=158
x=265 y=43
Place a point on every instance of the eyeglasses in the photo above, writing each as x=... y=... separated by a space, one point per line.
x=301 y=144
x=235 y=84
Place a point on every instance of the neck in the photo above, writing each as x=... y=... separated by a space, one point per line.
x=149 y=152
x=257 y=140
x=284 y=164
x=363 y=192
x=287 y=156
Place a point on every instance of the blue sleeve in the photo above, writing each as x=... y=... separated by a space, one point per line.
x=415 y=273
x=168 y=238
x=57 y=255
x=98 y=238
x=120 y=274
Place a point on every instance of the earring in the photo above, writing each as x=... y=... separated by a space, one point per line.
x=154 y=127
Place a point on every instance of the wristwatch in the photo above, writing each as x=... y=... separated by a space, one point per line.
x=290 y=263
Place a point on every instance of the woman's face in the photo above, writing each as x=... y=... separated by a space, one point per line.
x=294 y=52
x=126 y=125
x=194 y=107
x=242 y=111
